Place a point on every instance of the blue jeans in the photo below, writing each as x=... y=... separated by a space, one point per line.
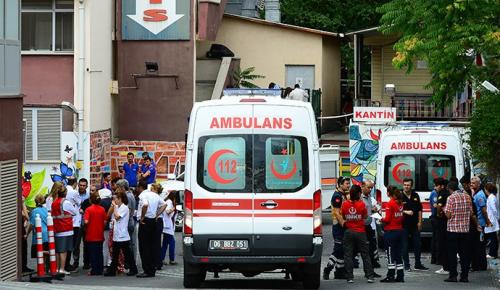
x=168 y=242
x=414 y=236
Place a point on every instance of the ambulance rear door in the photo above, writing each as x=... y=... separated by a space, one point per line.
x=284 y=181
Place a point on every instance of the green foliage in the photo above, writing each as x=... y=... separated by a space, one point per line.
x=331 y=15
x=485 y=132
x=244 y=77
x=37 y=180
x=447 y=34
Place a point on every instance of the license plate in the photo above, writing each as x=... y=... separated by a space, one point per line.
x=228 y=245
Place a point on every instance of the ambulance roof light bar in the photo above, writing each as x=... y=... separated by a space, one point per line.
x=252 y=92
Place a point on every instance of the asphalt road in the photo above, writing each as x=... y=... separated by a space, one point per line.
x=170 y=277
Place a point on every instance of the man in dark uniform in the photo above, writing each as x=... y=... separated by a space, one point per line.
x=441 y=225
x=412 y=224
x=336 y=259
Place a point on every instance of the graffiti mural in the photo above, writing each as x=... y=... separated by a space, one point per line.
x=363 y=149
x=38 y=177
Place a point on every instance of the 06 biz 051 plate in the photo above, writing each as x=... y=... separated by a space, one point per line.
x=228 y=245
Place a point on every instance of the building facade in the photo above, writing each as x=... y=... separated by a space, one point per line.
x=115 y=77
x=11 y=136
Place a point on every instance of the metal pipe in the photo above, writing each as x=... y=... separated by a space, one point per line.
x=81 y=78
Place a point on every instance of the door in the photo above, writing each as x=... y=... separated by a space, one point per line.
x=300 y=74
x=283 y=202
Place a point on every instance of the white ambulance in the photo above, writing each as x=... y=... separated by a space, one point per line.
x=252 y=198
x=421 y=154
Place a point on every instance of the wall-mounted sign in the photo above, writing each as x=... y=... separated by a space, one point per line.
x=156 y=19
x=374 y=114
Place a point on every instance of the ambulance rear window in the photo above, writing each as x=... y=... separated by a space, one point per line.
x=280 y=163
x=422 y=168
x=224 y=163
x=252 y=163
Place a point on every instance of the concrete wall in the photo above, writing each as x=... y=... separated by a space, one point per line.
x=156 y=110
x=384 y=73
x=47 y=79
x=99 y=28
x=268 y=48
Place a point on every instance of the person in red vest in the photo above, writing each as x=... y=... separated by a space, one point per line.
x=62 y=212
x=393 y=234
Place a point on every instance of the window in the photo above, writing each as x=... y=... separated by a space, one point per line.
x=47 y=25
x=423 y=169
x=280 y=163
x=43 y=134
x=252 y=163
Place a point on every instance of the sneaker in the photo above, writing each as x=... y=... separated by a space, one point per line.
x=370 y=280
x=442 y=272
x=408 y=269
x=64 y=272
x=172 y=263
x=350 y=281
x=490 y=257
x=388 y=280
x=421 y=267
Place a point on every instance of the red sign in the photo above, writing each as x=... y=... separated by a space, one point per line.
x=250 y=122
x=419 y=146
x=228 y=166
x=401 y=171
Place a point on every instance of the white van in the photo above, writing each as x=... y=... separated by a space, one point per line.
x=252 y=198
x=420 y=154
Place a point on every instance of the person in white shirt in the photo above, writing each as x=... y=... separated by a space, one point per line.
x=121 y=238
x=74 y=197
x=169 y=229
x=491 y=233
x=150 y=207
x=298 y=94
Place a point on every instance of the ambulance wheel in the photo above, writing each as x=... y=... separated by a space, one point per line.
x=194 y=275
x=311 y=278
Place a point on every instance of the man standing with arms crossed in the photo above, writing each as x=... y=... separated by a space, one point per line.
x=336 y=259
x=412 y=224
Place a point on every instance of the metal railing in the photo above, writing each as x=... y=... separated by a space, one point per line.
x=420 y=108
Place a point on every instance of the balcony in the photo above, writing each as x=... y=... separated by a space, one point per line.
x=419 y=108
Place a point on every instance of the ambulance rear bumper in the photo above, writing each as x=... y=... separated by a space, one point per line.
x=241 y=259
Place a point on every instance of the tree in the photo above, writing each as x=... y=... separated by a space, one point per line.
x=448 y=34
x=244 y=77
x=485 y=132
x=331 y=15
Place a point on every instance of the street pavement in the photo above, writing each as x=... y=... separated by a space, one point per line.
x=170 y=277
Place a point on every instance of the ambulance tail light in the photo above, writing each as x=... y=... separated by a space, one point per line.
x=188 y=212
x=317 y=213
x=378 y=196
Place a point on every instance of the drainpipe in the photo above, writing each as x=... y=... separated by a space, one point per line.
x=81 y=78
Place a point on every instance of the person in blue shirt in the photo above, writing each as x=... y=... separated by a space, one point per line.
x=41 y=211
x=439 y=185
x=149 y=171
x=131 y=168
x=479 y=262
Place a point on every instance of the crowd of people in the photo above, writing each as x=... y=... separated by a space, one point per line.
x=109 y=220
x=464 y=219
